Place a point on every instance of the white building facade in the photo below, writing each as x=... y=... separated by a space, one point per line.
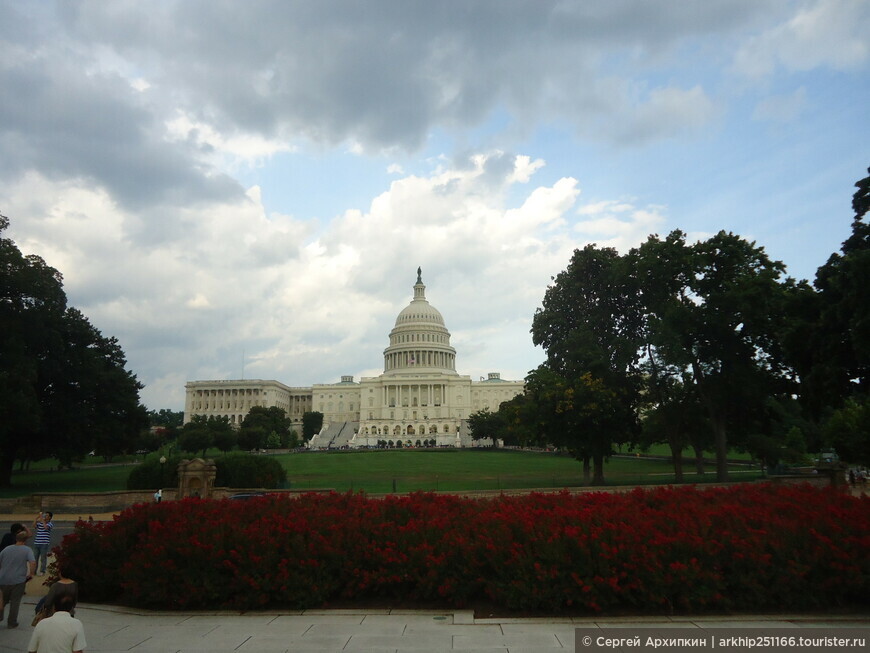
x=419 y=396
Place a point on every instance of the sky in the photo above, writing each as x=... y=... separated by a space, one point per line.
x=246 y=189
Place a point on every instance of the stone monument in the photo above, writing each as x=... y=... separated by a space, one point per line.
x=196 y=478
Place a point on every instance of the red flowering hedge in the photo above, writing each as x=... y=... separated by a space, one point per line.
x=749 y=547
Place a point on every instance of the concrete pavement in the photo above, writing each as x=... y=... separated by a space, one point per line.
x=113 y=629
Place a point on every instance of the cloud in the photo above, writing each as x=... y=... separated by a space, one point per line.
x=667 y=111
x=618 y=224
x=305 y=306
x=134 y=132
x=376 y=75
x=781 y=108
x=825 y=33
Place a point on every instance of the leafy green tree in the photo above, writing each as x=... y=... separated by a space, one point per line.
x=676 y=418
x=714 y=312
x=848 y=430
x=166 y=418
x=252 y=438
x=195 y=437
x=518 y=416
x=486 y=424
x=271 y=419
x=225 y=439
x=150 y=439
x=64 y=389
x=273 y=441
x=259 y=425
x=100 y=408
x=834 y=345
x=312 y=422
x=590 y=327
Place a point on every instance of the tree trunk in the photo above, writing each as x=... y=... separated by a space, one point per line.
x=586 y=471
x=677 y=455
x=598 y=469
x=7 y=462
x=720 y=436
x=699 y=459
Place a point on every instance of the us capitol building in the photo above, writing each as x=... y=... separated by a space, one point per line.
x=419 y=396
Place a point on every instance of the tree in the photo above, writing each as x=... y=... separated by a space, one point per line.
x=269 y=419
x=675 y=418
x=252 y=438
x=848 y=430
x=99 y=407
x=64 y=389
x=266 y=421
x=312 y=422
x=195 y=436
x=713 y=312
x=225 y=439
x=834 y=346
x=517 y=416
x=590 y=328
x=151 y=439
x=166 y=418
x=486 y=424
x=168 y=421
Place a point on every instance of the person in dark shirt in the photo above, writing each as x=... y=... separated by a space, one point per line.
x=9 y=538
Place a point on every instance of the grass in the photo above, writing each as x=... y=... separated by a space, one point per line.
x=377 y=471
x=85 y=479
x=463 y=469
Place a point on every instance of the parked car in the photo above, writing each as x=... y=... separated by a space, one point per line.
x=244 y=496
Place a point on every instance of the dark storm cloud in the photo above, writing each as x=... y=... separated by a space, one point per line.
x=63 y=117
x=68 y=125
x=384 y=73
x=380 y=73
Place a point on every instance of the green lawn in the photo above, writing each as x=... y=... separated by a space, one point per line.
x=375 y=471
x=463 y=469
x=89 y=478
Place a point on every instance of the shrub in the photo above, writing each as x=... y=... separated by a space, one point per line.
x=247 y=471
x=751 y=548
x=151 y=475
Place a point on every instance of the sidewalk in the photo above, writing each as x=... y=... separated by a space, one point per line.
x=111 y=629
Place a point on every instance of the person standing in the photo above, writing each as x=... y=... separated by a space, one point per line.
x=17 y=564
x=59 y=632
x=42 y=525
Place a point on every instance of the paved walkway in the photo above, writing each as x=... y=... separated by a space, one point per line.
x=112 y=629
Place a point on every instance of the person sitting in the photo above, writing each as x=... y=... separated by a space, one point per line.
x=59 y=632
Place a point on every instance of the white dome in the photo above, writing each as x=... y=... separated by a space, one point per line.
x=419 y=341
x=419 y=310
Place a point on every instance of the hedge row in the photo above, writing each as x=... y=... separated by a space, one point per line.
x=752 y=547
x=240 y=470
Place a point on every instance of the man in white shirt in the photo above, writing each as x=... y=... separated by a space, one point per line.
x=59 y=633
